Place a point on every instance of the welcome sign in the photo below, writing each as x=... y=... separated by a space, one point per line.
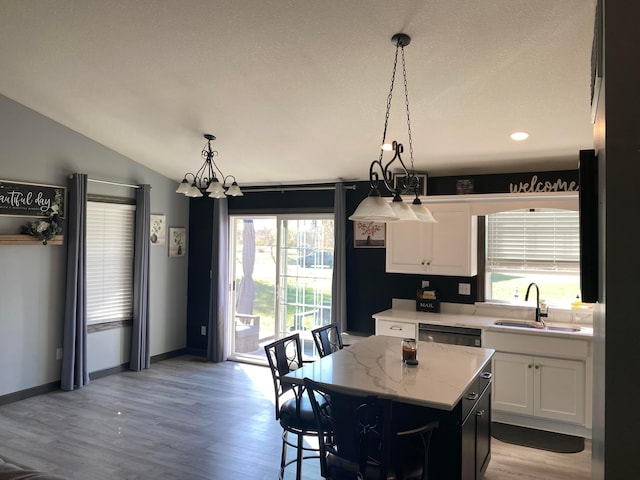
x=30 y=199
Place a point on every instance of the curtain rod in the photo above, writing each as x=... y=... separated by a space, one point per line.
x=113 y=183
x=293 y=188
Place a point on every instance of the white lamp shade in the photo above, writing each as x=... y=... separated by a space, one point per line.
x=193 y=191
x=374 y=208
x=215 y=187
x=219 y=194
x=423 y=213
x=403 y=211
x=183 y=187
x=234 y=190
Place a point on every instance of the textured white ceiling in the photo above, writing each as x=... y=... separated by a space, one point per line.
x=295 y=90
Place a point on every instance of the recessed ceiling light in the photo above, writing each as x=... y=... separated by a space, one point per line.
x=519 y=136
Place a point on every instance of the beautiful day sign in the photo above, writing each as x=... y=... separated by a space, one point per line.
x=29 y=199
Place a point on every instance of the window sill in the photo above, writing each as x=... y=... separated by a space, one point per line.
x=28 y=240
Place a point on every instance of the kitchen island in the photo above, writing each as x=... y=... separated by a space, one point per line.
x=542 y=376
x=451 y=384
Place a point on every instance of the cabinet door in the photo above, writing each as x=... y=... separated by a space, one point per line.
x=444 y=248
x=513 y=383
x=559 y=389
x=451 y=243
x=476 y=439
x=483 y=433
x=405 y=247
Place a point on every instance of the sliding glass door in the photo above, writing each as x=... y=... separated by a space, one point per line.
x=282 y=269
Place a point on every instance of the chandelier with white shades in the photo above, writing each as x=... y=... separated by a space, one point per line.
x=376 y=208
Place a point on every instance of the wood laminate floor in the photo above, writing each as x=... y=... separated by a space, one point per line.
x=189 y=419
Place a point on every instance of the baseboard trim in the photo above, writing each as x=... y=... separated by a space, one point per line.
x=53 y=386
x=168 y=355
x=29 y=392
x=108 y=371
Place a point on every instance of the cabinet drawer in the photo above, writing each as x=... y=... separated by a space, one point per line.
x=475 y=391
x=396 y=329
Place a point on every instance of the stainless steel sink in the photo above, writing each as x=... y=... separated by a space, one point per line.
x=563 y=329
x=509 y=323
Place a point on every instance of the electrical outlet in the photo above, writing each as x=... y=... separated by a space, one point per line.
x=425 y=283
x=203 y=330
x=464 y=288
x=59 y=353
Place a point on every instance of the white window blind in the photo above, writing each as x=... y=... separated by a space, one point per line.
x=543 y=240
x=110 y=242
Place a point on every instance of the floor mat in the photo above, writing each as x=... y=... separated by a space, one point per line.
x=529 y=437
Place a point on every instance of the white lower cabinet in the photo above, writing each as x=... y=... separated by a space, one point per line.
x=543 y=387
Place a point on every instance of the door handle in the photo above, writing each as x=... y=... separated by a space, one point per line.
x=472 y=396
x=480 y=413
x=486 y=375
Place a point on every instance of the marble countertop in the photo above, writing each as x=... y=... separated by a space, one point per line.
x=373 y=365
x=478 y=321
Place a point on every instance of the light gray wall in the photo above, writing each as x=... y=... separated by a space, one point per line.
x=36 y=149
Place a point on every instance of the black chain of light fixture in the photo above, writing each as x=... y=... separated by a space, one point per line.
x=400 y=40
x=206 y=173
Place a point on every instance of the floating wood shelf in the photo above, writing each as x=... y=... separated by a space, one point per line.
x=28 y=240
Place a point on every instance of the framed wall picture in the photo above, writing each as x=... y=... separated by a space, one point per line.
x=158 y=229
x=368 y=234
x=400 y=178
x=177 y=242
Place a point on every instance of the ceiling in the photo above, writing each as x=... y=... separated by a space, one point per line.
x=295 y=91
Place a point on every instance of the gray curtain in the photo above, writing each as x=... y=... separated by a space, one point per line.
x=339 y=284
x=140 y=355
x=218 y=307
x=74 y=373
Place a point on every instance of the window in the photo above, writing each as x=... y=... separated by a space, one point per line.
x=110 y=242
x=541 y=246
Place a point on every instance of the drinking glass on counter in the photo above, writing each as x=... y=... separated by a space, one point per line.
x=409 y=349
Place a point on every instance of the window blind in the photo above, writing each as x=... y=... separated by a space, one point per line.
x=546 y=240
x=110 y=243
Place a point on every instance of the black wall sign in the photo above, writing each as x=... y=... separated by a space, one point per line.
x=30 y=200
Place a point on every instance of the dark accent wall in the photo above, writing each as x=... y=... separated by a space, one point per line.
x=199 y=284
x=369 y=288
x=503 y=182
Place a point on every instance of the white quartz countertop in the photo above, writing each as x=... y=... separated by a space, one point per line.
x=481 y=322
x=373 y=366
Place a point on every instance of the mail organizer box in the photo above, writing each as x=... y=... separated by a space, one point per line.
x=426 y=301
x=428 y=305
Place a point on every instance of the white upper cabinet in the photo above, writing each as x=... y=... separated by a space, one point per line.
x=448 y=247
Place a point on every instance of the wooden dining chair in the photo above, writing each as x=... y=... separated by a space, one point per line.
x=292 y=405
x=328 y=339
x=363 y=442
